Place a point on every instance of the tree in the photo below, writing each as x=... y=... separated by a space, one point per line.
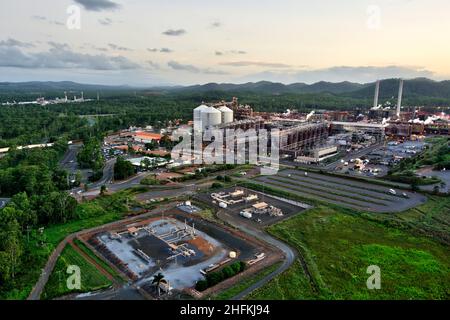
x=91 y=155
x=146 y=163
x=157 y=279
x=10 y=244
x=123 y=169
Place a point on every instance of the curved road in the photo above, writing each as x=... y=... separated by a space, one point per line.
x=290 y=254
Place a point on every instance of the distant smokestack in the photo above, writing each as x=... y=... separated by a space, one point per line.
x=377 y=93
x=400 y=95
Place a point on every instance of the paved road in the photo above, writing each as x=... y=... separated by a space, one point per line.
x=290 y=254
x=69 y=160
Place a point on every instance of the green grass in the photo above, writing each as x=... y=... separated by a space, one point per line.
x=91 y=278
x=241 y=286
x=99 y=261
x=290 y=285
x=338 y=248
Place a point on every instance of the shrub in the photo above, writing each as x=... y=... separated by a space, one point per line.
x=216 y=185
x=214 y=278
x=236 y=267
x=201 y=285
x=228 y=272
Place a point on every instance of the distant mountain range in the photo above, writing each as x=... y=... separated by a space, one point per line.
x=420 y=88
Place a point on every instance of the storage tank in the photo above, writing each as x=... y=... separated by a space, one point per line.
x=246 y=214
x=198 y=117
x=211 y=117
x=222 y=205
x=227 y=114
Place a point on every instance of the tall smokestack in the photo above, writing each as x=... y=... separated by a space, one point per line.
x=400 y=95
x=377 y=93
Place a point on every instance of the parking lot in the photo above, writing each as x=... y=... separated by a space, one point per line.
x=346 y=192
x=264 y=209
x=378 y=161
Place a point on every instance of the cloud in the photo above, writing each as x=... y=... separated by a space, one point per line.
x=255 y=63
x=105 y=22
x=58 y=46
x=15 y=43
x=162 y=50
x=193 y=69
x=359 y=74
x=174 y=33
x=42 y=18
x=362 y=74
x=61 y=57
x=153 y=65
x=118 y=48
x=98 y=5
x=221 y=53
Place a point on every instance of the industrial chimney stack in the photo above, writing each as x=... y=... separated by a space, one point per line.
x=377 y=93
x=400 y=95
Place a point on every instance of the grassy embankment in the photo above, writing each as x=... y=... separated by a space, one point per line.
x=91 y=278
x=339 y=244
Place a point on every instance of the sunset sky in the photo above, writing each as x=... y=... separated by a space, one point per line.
x=156 y=42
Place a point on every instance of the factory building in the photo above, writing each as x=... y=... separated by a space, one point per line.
x=296 y=137
x=299 y=138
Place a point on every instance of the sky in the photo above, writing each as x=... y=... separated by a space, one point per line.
x=185 y=42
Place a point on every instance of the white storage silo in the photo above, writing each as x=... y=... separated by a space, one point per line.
x=198 y=117
x=227 y=114
x=211 y=117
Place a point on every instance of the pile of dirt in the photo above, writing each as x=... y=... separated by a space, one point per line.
x=201 y=244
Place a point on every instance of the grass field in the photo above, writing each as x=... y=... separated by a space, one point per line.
x=91 y=278
x=99 y=261
x=339 y=246
x=236 y=289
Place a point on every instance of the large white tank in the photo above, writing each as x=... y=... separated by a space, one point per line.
x=211 y=117
x=227 y=114
x=198 y=117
